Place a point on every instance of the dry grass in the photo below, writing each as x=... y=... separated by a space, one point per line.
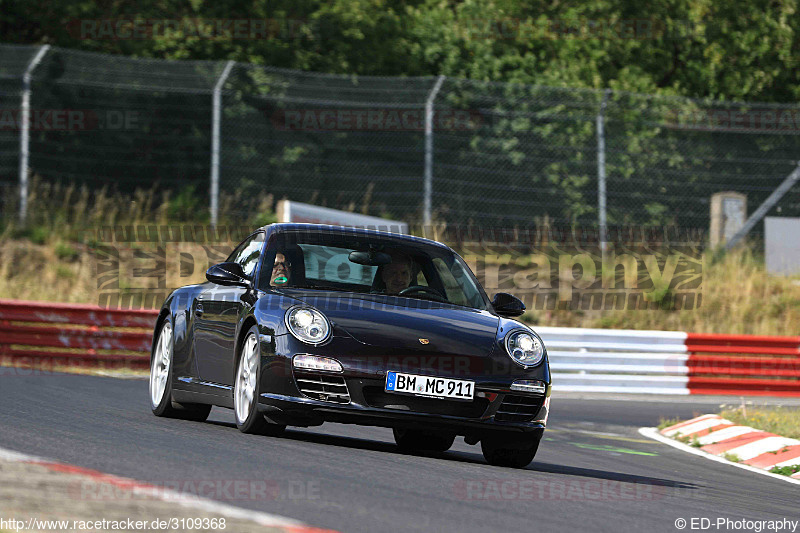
x=53 y=259
x=55 y=256
x=664 y=423
x=738 y=297
x=70 y=213
x=783 y=421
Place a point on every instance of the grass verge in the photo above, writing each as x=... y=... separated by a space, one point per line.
x=59 y=255
x=783 y=421
x=786 y=470
x=664 y=423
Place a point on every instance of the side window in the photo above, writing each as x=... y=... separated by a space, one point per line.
x=247 y=254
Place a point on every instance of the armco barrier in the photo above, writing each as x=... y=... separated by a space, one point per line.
x=743 y=364
x=582 y=360
x=51 y=334
x=672 y=362
x=607 y=360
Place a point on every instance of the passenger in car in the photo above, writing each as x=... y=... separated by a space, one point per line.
x=281 y=271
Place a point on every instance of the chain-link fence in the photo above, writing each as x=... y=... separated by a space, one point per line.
x=501 y=153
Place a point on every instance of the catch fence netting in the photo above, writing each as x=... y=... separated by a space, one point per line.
x=337 y=141
x=502 y=154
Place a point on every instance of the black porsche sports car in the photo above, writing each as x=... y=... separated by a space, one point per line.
x=306 y=323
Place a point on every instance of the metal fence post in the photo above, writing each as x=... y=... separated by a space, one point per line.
x=24 y=138
x=764 y=208
x=428 y=192
x=215 y=129
x=601 y=170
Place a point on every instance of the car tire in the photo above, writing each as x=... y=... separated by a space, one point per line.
x=245 y=390
x=161 y=401
x=413 y=440
x=514 y=451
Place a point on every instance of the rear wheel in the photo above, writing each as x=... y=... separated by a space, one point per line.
x=161 y=382
x=245 y=391
x=515 y=451
x=414 y=440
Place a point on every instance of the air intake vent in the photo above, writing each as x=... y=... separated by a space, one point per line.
x=517 y=408
x=322 y=386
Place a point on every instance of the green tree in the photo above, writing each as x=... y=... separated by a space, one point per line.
x=745 y=50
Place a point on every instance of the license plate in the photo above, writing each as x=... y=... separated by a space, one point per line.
x=458 y=389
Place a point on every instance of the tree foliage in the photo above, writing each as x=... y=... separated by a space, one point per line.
x=533 y=148
x=741 y=50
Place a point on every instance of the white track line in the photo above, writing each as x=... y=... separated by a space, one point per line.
x=655 y=435
x=762 y=446
x=160 y=493
x=685 y=423
x=725 y=434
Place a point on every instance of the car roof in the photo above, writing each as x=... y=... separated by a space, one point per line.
x=292 y=227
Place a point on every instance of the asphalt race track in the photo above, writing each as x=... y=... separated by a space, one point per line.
x=593 y=472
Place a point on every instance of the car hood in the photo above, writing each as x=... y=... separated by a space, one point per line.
x=404 y=324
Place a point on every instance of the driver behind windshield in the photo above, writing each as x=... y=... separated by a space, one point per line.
x=397 y=274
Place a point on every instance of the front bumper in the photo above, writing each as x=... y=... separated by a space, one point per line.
x=307 y=412
x=365 y=402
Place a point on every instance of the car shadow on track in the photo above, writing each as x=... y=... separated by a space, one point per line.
x=359 y=443
x=298 y=435
x=610 y=476
x=660 y=486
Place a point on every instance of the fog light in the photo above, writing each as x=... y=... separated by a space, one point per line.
x=314 y=362
x=528 y=385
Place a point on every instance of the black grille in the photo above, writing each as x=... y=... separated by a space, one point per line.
x=377 y=397
x=518 y=408
x=319 y=386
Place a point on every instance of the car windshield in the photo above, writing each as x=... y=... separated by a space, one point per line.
x=372 y=265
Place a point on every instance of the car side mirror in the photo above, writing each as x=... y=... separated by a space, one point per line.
x=229 y=274
x=507 y=305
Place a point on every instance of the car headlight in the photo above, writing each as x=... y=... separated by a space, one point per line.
x=308 y=325
x=524 y=348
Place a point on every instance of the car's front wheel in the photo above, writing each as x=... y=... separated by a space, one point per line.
x=515 y=451
x=161 y=381
x=414 y=440
x=245 y=390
